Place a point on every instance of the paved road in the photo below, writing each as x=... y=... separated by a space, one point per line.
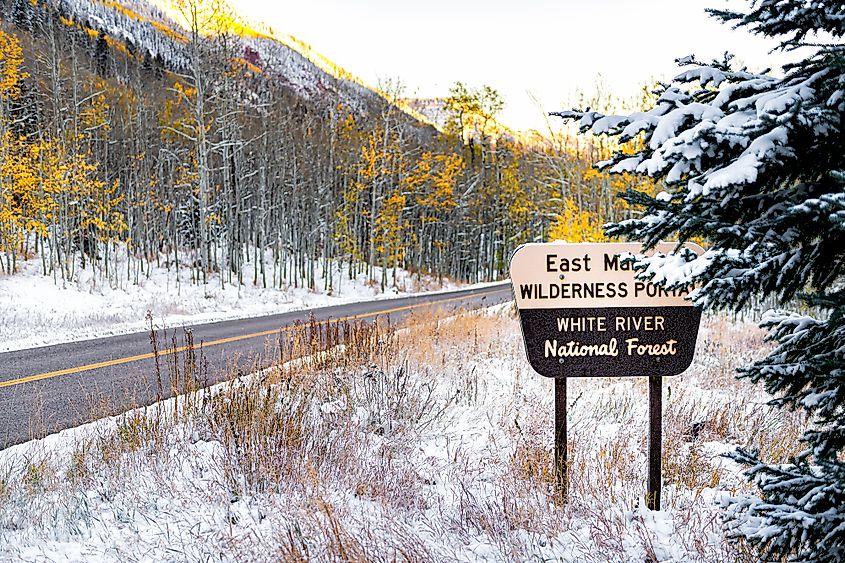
x=43 y=390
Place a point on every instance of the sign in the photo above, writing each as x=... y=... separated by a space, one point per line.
x=584 y=313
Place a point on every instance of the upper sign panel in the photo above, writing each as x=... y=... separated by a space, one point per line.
x=589 y=275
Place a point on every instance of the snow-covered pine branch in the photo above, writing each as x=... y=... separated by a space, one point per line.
x=734 y=148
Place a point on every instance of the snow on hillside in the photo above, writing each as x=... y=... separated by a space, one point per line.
x=38 y=310
x=146 y=26
x=434 y=109
x=395 y=451
x=154 y=26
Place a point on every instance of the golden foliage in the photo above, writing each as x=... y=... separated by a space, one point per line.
x=433 y=180
x=43 y=185
x=576 y=225
x=11 y=67
x=389 y=230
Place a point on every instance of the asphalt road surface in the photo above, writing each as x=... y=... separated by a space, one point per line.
x=46 y=389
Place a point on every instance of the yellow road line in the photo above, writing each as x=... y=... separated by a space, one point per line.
x=139 y=357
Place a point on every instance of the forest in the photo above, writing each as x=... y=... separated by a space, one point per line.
x=189 y=148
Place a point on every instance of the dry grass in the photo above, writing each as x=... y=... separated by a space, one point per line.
x=429 y=441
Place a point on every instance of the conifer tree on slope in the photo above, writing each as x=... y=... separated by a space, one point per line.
x=756 y=165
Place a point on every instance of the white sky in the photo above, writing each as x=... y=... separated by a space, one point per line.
x=550 y=49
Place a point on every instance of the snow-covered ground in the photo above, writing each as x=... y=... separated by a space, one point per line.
x=397 y=451
x=38 y=310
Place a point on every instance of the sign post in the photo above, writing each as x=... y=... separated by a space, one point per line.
x=655 y=441
x=561 y=459
x=584 y=313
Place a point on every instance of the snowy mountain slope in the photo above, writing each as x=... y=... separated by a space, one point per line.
x=150 y=28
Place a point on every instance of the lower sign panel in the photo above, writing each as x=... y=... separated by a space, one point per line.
x=610 y=342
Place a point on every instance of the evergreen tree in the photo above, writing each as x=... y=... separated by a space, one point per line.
x=22 y=13
x=755 y=164
x=101 y=54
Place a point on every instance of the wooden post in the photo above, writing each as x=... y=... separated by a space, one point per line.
x=561 y=465
x=655 y=439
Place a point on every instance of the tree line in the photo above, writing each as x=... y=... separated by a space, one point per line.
x=213 y=164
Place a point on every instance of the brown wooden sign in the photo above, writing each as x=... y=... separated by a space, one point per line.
x=584 y=313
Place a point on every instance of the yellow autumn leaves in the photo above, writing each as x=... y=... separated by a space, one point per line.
x=11 y=68
x=47 y=182
x=43 y=185
x=574 y=225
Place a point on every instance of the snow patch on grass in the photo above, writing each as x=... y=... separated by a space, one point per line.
x=38 y=310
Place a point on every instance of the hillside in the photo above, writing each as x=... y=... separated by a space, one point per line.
x=245 y=157
x=152 y=29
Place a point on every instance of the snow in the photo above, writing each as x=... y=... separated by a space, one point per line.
x=152 y=25
x=39 y=311
x=751 y=160
x=668 y=126
x=747 y=166
x=447 y=489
